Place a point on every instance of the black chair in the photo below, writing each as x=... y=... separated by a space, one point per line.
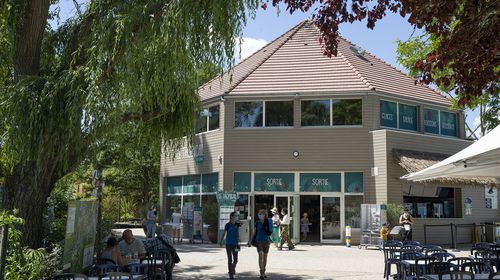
x=155 y=267
x=104 y=261
x=483 y=245
x=411 y=242
x=440 y=267
x=391 y=256
x=458 y=275
x=393 y=243
x=425 y=248
x=168 y=263
x=404 y=271
x=477 y=267
x=429 y=252
x=479 y=253
x=411 y=248
x=102 y=269
x=494 y=276
x=117 y=276
x=443 y=256
x=135 y=268
x=459 y=261
x=70 y=276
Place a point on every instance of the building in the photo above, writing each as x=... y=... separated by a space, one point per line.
x=293 y=128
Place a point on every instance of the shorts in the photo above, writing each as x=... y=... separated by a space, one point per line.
x=263 y=247
x=176 y=226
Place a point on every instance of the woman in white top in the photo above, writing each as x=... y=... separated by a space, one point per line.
x=176 y=225
x=285 y=237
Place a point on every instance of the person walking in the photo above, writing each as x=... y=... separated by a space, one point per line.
x=151 y=222
x=232 y=243
x=276 y=227
x=285 y=236
x=304 y=226
x=260 y=239
x=406 y=221
x=176 y=225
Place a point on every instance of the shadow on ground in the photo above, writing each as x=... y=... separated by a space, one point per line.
x=244 y=275
x=197 y=248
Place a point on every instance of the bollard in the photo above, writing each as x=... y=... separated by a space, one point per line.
x=348 y=236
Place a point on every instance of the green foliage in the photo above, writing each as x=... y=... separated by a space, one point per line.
x=393 y=212
x=210 y=213
x=26 y=263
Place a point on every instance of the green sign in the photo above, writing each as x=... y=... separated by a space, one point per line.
x=448 y=124
x=407 y=117
x=353 y=182
x=320 y=182
x=431 y=121
x=210 y=183
x=388 y=114
x=242 y=181
x=274 y=182
x=226 y=202
x=80 y=235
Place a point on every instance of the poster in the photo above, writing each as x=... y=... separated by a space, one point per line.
x=226 y=201
x=468 y=205
x=80 y=235
x=197 y=223
x=491 y=197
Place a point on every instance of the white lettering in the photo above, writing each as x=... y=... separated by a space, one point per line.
x=319 y=182
x=430 y=123
x=448 y=125
x=274 y=181
x=407 y=119
x=387 y=116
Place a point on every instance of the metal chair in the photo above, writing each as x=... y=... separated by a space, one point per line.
x=440 y=267
x=403 y=270
x=411 y=242
x=430 y=247
x=411 y=248
x=458 y=275
x=443 y=256
x=483 y=245
x=117 y=276
x=71 y=276
x=477 y=267
x=422 y=266
x=429 y=252
x=391 y=256
x=460 y=261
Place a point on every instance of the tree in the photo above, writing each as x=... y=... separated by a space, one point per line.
x=466 y=31
x=64 y=90
x=415 y=49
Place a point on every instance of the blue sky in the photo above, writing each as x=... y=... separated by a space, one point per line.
x=267 y=25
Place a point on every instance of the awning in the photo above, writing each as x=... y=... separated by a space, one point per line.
x=415 y=161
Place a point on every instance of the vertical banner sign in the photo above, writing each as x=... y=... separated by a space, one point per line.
x=408 y=117
x=197 y=223
x=226 y=201
x=431 y=121
x=491 y=197
x=388 y=114
x=468 y=205
x=80 y=235
x=448 y=124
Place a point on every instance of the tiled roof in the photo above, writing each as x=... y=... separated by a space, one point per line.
x=294 y=63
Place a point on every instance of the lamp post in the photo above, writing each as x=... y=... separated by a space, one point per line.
x=99 y=185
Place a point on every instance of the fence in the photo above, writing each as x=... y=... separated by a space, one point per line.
x=453 y=229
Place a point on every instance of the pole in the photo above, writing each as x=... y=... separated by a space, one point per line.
x=453 y=245
x=3 y=250
x=425 y=234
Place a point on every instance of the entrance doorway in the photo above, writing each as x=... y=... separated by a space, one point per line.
x=310 y=204
x=331 y=224
x=263 y=202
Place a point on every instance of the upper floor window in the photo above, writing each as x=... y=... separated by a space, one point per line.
x=397 y=115
x=440 y=122
x=279 y=113
x=347 y=112
x=208 y=119
x=263 y=113
x=315 y=112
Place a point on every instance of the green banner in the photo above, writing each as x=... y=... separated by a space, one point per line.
x=448 y=124
x=431 y=121
x=80 y=235
x=320 y=182
x=353 y=182
x=242 y=181
x=274 y=182
x=388 y=114
x=408 y=117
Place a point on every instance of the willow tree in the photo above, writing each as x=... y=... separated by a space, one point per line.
x=63 y=90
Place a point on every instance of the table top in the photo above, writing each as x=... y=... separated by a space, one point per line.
x=135 y=277
x=479 y=276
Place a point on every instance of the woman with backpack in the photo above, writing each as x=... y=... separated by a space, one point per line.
x=260 y=239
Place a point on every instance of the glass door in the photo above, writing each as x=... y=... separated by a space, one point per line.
x=330 y=216
x=286 y=202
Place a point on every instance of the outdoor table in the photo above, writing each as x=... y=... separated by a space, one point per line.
x=135 y=277
x=479 y=276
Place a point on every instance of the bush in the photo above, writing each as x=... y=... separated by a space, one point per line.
x=393 y=212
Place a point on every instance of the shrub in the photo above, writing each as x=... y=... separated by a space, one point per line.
x=393 y=212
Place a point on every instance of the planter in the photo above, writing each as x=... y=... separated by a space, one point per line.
x=212 y=233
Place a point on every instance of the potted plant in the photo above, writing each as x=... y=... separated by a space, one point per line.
x=211 y=217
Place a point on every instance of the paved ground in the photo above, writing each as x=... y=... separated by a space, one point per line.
x=208 y=261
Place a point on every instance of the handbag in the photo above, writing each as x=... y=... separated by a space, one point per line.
x=254 y=240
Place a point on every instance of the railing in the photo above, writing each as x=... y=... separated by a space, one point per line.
x=454 y=232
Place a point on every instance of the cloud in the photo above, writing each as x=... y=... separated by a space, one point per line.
x=248 y=47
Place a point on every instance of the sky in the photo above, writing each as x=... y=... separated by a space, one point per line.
x=268 y=25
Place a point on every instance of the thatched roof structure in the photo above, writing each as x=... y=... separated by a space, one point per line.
x=413 y=161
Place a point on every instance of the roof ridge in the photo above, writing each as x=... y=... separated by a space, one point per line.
x=395 y=68
x=293 y=31
x=297 y=27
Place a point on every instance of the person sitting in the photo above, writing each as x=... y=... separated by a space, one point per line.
x=129 y=246
x=112 y=252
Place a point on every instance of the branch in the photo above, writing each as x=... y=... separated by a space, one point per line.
x=146 y=116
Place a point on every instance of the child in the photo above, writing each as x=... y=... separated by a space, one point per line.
x=384 y=231
x=304 y=226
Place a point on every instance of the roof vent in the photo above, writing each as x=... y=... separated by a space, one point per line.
x=358 y=51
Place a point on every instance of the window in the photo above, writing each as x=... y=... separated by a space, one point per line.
x=388 y=114
x=242 y=181
x=347 y=112
x=208 y=119
x=274 y=182
x=430 y=202
x=353 y=182
x=353 y=210
x=279 y=113
x=248 y=114
x=431 y=121
x=315 y=113
x=192 y=184
x=320 y=182
x=173 y=185
x=210 y=183
x=407 y=117
x=448 y=123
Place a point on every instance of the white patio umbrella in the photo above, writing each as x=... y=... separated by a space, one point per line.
x=481 y=159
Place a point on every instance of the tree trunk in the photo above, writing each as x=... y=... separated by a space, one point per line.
x=29 y=196
x=29 y=40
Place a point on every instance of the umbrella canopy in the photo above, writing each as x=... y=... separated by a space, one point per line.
x=481 y=159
